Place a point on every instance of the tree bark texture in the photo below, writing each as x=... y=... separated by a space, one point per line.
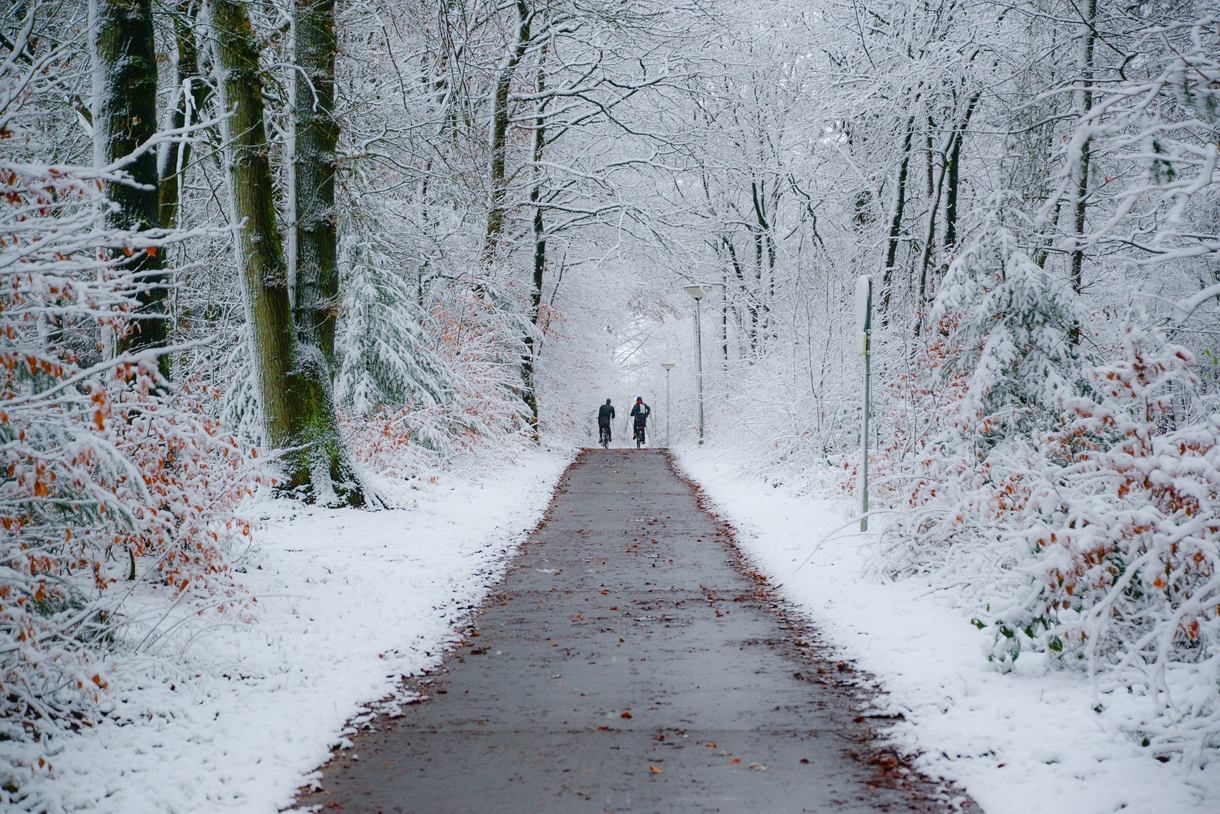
x=315 y=165
x=764 y=247
x=125 y=117
x=891 y=252
x=934 y=195
x=499 y=134
x=1081 y=187
x=294 y=383
x=1080 y=207
x=529 y=362
x=954 y=173
x=193 y=95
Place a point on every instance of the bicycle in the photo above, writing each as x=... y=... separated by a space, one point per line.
x=639 y=436
x=604 y=439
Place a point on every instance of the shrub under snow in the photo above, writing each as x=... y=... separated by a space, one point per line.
x=1078 y=503
x=113 y=480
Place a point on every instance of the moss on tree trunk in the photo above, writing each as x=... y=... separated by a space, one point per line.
x=125 y=117
x=293 y=377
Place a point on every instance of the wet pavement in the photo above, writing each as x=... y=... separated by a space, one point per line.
x=625 y=664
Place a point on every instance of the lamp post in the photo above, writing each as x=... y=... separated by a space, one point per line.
x=668 y=367
x=864 y=323
x=698 y=292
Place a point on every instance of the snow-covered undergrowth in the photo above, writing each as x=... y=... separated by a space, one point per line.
x=1070 y=502
x=1017 y=741
x=212 y=717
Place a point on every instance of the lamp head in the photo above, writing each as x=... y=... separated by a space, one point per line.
x=669 y=365
x=696 y=291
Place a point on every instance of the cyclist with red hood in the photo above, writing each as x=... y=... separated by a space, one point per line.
x=640 y=413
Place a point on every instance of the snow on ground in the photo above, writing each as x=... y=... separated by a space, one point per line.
x=1020 y=742
x=351 y=601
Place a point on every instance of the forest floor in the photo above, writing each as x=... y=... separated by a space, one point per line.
x=233 y=718
x=1018 y=742
x=627 y=663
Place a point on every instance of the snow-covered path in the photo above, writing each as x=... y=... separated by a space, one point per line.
x=626 y=664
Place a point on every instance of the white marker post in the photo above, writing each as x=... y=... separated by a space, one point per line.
x=864 y=323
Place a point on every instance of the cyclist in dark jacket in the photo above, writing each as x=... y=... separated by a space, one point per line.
x=605 y=414
x=640 y=413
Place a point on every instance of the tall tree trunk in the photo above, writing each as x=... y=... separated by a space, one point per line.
x=316 y=163
x=900 y=200
x=954 y=173
x=739 y=272
x=1081 y=191
x=934 y=196
x=499 y=134
x=724 y=320
x=946 y=183
x=294 y=384
x=765 y=249
x=529 y=362
x=757 y=314
x=1085 y=104
x=124 y=118
x=193 y=95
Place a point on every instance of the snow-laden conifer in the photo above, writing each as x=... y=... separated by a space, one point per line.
x=984 y=396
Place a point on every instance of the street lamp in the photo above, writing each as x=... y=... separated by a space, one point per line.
x=864 y=322
x=668 y=367
x=698 y=292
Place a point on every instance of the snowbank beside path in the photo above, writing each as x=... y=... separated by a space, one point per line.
x=1026 y=741
x=351 y=601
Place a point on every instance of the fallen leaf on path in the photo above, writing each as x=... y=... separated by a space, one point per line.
x=655 y=769
x=735 y=760
x=711 y=744
x=625 y=715
x=604 y=728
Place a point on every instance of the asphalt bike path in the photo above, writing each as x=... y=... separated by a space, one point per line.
x=625 y=664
